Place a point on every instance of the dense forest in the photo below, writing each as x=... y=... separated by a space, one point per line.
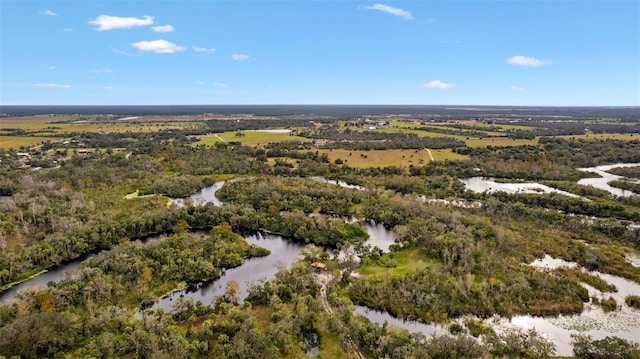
x=453 y=264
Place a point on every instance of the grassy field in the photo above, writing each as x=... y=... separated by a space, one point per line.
x=363 y=159
x=420 y=133
x=403 y=262
x=65 y=124
x=499 y=142
x=7 y=142
x=447 y=154
x=251 y=138
x=606 y=136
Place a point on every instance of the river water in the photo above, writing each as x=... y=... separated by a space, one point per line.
x=283 y=253
x=603 y=182
x=202 y=197
x=379 y=317
x=43 y=279
x=489 y=185
x=623 y=322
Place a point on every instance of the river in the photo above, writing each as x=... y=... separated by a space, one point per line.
x=623 y=322
x=202 y=197
x=283 y=253
x=379 y=317
x=55 y=274
x=489 y=185
x=603 y=182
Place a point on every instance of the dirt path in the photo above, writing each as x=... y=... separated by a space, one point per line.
x=220 y=138
x=323 y=279
x=430 y=156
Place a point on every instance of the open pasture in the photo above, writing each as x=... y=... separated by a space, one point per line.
x=499 y=142
x=383 y=158
x=7 y=142
x=250 y=138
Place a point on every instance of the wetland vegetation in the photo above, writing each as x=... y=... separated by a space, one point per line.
x=461 y=268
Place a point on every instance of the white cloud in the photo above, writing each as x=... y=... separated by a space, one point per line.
x=204 y=49
x=240 y=57
x=518 y=88
x=52 y=67
x=67 y=29
x=106 y=22
x=163 y=28
x=220 y=84
x=439 y=85
x=157 y=46
x=391 y=10
x=108 y=87
x=48 y=13
x=520 y=60
x=53 y=86
x=200 y=83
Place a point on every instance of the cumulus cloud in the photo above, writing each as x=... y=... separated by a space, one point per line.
x=106 y=22
x=157 y=46
x=391 y=10
x=163 y=28
x=240 y=57
x=53 y=86
x=48 y=13
x=520 y=60
x=439 y=85
x=204 y=49
x=517 y=88
x=220 y=84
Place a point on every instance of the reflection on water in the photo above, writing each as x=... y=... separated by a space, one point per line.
x=379 y=317
x=623 y=322
x=283 y=252
x=53 y=275
x=379 y=235
x=339 y=183
x=603 y=182
x=489 y=185
x=202 y=197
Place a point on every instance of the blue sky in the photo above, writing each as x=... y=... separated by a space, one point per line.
x=558 y=53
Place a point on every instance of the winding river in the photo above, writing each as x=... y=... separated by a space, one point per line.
x=624 y=322
x=489 y=185
x=603 y=182
x=56 y=274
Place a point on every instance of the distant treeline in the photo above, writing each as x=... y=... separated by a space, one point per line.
x=427 y=112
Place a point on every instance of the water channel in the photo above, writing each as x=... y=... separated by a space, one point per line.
x=624 y=322
x=489 y=185
x=603 y=182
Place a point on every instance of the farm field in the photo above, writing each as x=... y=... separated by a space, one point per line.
x=252 y=138
x=60 y=125
x=499 y=142
x=15 y=142
x=383 y=158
